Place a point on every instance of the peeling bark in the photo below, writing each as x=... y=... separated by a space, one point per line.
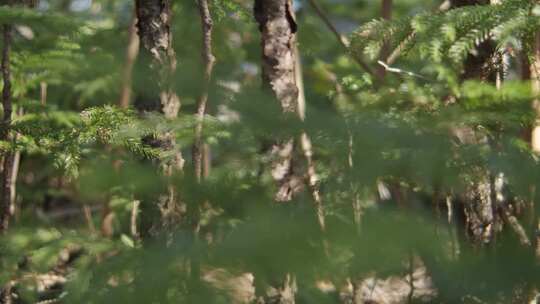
x=278 y=27
x=154 y=18
x=158 y=95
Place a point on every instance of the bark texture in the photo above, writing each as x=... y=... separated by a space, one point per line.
x=154 y=29
x=480 y=207
x=278 y=37
x=157 y=92
x=278 y=28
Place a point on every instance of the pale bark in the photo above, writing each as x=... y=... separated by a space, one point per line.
x=278 y=28
x=199 y=148
x=132 y=52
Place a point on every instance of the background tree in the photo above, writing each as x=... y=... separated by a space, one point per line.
x=428 y=184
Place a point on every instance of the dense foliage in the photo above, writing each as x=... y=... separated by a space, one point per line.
x=420 y=140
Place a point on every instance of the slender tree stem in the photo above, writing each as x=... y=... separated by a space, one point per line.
x=209 y=60
x=132 y=52
x=5 y=212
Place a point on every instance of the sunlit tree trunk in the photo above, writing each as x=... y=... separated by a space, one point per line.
x=278 y=28
x=199 y=148
x=278 y=38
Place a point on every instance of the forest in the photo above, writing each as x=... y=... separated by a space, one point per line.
x=270 y=151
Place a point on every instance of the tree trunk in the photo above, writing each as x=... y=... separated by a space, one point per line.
x=199 y=148
x=278 y=28
x=479 y=204
x=156 y=92
x=5 y=210
x=154 y=24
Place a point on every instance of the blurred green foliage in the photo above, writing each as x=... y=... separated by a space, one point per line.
x=80 y=152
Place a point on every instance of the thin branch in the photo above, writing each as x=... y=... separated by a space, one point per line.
x=6 y=124
x=514 y=223
x=89 y=222
x=14 y=171
x=313 y=179
x=400 y=71
x=43 y=93
x=342 y=40
x=209 y=61
x=305 y=142
x=133 y=222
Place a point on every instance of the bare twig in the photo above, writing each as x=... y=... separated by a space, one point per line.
x=209 y=61
x=313 y=179
x=341 y=39
x=516 y=226
x=400 y=71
